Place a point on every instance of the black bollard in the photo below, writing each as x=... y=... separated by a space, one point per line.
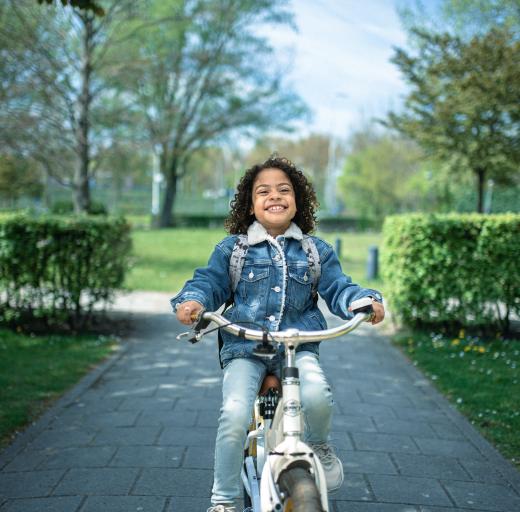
x=373 y=262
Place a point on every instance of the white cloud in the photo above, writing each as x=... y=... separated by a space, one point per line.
x=340 y=59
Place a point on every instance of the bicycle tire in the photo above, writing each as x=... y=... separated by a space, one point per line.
x=300 y=489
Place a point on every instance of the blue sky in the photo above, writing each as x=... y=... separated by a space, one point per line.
x=339 y=60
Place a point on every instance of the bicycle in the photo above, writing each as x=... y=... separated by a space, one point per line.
x=281 y=473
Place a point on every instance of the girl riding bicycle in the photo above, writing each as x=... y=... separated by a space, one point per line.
x=275 y=207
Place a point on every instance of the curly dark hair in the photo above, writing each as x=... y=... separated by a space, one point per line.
x=240 y=218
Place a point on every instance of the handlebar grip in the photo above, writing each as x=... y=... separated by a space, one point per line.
x=363 y=305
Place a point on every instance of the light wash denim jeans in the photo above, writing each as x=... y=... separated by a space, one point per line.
x=242 y=379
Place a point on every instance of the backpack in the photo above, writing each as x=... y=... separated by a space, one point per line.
x=238 y=258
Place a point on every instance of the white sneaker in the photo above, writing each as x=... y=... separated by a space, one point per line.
x=222 y=507
x=331 y=465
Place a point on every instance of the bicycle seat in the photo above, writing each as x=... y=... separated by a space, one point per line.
x=270 y=382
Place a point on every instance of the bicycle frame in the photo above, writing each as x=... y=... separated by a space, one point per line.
x=278 y=440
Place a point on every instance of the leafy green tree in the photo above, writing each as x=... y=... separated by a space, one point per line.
x=86 y=5
x=202 y=76
x=463 y=18
x=464 y=104
x=53 y=94
x=381 y=175
x=19 y=177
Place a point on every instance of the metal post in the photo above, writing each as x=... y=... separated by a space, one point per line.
x=373 y=262
x=338 y=247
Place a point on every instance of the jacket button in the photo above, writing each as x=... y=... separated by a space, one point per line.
x=251 y=275
x=277 y=289
x=272 y=318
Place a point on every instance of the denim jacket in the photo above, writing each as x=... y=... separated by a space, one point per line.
x=275 y=288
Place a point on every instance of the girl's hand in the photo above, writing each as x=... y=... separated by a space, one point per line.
x=379 y=312
x=188 y=311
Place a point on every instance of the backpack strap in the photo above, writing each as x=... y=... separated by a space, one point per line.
x=236 y=261
x=313 y=260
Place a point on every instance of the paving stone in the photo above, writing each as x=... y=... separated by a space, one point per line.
x=361 y=409
x=167 y=418
x=86 y=457
x=106 y=419
x=58 y=438
x=50 y=504
x=103 y=481
x=148 y=456
x=415 y=491
x=198 y=457
x=189 y=404
x=146 y=404
x=180 y=504
x=483 y=496
x=385 y=398
x=444 y=509
x=391 y=443
x=31 y=484
x=207 y=418
x=449 y=448
x=366 y=462
x=405 y=427
x=188 y=436
x=429 y=466
x=482 y=471
x=28 y=460
x=340 y=440
x=349 y=506
x=354 y=488
x=94 y=405
x=429 y=414
x=124 y=504
x=353 y=423
x=124 y=436
x=174 y=482
x=447 y=430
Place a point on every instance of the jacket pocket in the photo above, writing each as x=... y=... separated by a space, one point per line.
x=299 y=286
x=253 y=285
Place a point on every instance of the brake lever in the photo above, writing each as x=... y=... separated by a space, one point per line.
x=195 y=333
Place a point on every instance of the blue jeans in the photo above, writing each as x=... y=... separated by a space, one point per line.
x=241 y=382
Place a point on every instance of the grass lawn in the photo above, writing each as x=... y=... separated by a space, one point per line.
x=35 y=370
x=165 y=259
x=482 y=378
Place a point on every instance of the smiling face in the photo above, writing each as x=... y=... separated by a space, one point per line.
x=274 y=203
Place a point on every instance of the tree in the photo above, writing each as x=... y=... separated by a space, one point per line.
x=378 y=175
x=463 y=18
x=53 y=94
x=86 y=5
x=464 y=104
x=18 y=177
x=203 y=75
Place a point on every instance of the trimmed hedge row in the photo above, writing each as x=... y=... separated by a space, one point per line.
x=452 y=269
x=54 y=270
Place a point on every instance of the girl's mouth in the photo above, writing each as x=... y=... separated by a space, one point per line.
x=276 y=208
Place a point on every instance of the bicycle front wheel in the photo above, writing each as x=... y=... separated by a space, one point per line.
x=301 y=491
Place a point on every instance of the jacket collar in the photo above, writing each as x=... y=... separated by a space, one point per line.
x=256 y=233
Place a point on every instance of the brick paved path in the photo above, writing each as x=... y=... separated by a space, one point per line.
x=138 y=433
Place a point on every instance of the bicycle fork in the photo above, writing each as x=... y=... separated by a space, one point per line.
x=289 y=450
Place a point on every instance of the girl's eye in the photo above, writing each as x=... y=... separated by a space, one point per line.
x=262 y=192
x=285 y=190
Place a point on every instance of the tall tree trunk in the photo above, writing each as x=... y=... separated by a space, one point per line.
x=166 y=216
x=481 y=175
x=81 y=178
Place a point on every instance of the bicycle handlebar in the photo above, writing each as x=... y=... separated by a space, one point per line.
x=362 y=310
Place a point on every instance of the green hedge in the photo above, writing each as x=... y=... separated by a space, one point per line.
x=452 y=269
x=54 y=270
